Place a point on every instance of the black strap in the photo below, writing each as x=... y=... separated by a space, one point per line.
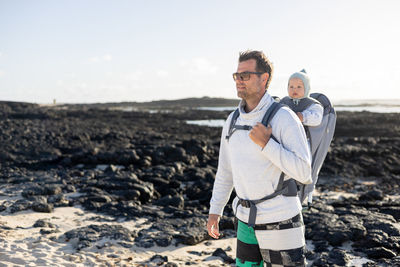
x=308 y=134
x=269 y=114
x=286 y=188
x=294 y=222
x=275 y=106
x=232 y=124
x=243 y=127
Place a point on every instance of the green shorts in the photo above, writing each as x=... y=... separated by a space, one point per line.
x=249 y=253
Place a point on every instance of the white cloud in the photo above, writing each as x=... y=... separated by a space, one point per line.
x=133 y=76
x=94 y=59
x=200 y=66
x=107 y=57
x=98 y=59
x=71 y=75
x=2 y=73
x=183 y=63
x=204 y=66
x=162 y=73
x=82 y=85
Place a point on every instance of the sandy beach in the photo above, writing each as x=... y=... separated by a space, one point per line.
x=24 y=245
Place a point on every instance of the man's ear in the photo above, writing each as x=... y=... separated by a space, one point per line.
x=266 y=76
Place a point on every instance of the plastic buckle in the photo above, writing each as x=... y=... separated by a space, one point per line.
x=245 y=203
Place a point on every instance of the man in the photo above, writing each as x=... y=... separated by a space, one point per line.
x=252 y=162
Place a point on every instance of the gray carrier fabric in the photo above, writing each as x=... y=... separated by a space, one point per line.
x=320 y=136
x=302 y=105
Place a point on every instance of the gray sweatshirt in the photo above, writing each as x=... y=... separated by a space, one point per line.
x=254 y=172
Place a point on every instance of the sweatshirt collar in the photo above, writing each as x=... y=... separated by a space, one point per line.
x=265 y=101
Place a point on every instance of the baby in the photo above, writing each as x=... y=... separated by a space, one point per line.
x=308 y=110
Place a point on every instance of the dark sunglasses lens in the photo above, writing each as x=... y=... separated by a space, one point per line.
x=244 y=76
x=237 y=76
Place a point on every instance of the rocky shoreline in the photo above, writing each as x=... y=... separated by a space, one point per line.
x=153 y=166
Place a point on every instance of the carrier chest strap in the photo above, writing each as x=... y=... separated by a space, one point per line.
x=269 y=114
x=243 y=127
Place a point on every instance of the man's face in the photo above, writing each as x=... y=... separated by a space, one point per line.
x=296 y=88
x=255 y=86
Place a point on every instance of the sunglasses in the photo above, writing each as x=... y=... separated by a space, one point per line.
x=244 y=76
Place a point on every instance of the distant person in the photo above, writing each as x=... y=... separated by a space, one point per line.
x=255 y=159
x=308 y=110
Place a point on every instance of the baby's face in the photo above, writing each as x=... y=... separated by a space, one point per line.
x=296 y=88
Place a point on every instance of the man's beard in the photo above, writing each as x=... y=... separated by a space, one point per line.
x=242 y=94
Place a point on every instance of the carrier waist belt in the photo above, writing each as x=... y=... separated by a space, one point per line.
x=288 y=189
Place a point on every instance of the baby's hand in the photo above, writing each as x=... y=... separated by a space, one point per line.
x=300 y=115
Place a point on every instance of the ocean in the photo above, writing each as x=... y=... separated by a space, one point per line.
x=387 y=106
x=376 y=106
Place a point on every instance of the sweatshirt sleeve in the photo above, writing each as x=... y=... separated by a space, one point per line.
x=292 y=154
x=223 y=184
x=312 y=116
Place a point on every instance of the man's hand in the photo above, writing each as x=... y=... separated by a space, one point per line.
x=212 y=225
x=300 y=115
x=260 y=134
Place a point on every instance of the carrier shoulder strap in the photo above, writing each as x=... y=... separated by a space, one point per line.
x=303 y=103
x=324 y=101
x=275 y=106
x=234 y=118
x=269 y=114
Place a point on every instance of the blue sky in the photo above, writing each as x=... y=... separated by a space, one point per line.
x=110 y=51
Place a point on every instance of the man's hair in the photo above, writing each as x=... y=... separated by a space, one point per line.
x=262 y=62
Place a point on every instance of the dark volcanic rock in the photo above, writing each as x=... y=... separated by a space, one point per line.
x=222 y=254
x=325 y=226
x=20 y=205
x=88 y=235
x=336 y=257
x=153 y=165
x=42 y=207
x=380 y=252
x=43 y=223
x=394 y=211
x=191 y=231
x=372 y=195
x=175 y=201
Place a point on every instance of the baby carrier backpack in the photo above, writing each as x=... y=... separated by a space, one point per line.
x=320 y=137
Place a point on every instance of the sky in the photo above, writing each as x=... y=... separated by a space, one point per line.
x=112 y=51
